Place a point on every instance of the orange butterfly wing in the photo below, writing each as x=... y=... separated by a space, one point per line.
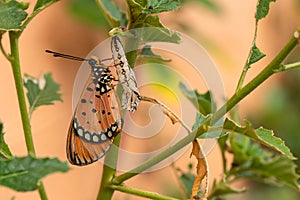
x=96 y=121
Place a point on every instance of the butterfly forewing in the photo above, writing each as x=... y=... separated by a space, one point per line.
x=96 y=121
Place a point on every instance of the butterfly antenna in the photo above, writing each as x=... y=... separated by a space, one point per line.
x=56 y=54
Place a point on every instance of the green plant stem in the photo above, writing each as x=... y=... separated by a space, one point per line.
x=289 y=66
x=156 y=159
x=15 y=63
x=269 y=70
x=237 y=97
x=247 y=64
x=141 y=193
x=109 y=171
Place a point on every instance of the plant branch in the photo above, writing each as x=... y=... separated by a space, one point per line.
x=247 y=64
x=3 y=50
x=288 y=67
x=269 y=70
x=15 y=63
x=234 y=100
x=109 y=171
x=141 y=193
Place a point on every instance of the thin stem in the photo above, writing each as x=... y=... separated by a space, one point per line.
x=270 y=69
x=141 y=193
x=289 y=66
x=15 y=63
x=247 y=64
x=3 y=50
x=156 y=159
x=109 y=171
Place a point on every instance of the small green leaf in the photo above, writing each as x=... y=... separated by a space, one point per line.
x=4 y=150
x=255 y=55
x=43 y=91
x=23 y=174
x=221 y=188
x=203 y=102
x=200 y=119
x=157 y=6
x=148 y=53
x=112 y=13
x=260 y=135
x=187 y=180
x=42 y=4
x=262 y=9
x=12 y=15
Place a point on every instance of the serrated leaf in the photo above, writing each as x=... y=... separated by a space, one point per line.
x=221 y=188
x=252 y=161
x=23 y=174
x=147 y=52
x=203 y=102
x=157 y=6
x=42 y=4
x=260 y=135
x=12 y=15
x=4 y=149
x=255 y=55
x=262 y=9
x=112 y=13
x=42 y=91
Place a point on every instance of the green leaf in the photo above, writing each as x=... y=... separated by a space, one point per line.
x=42 y=4
x=252 y=161
x=148 y=53
x=112 y=13
x=154 y=31
x=187 y=180
x=4 y=150
x=23 y=174
x=260 y=135
x=88 y=11
x=255 y=55
x=203 y=102
x=12 y=15
x=262 y=9
x=221 y=188
x=42 y=91
x=135 y=9
x=157 y=6
x=200 y=119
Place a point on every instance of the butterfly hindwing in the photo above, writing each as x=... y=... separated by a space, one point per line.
x=96 y=121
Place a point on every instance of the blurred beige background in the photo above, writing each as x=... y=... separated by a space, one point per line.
x=231 y=32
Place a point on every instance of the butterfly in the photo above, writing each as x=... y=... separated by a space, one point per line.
x=130 y=95
x=97 y=117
